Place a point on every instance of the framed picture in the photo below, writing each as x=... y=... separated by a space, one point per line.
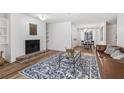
x=33 y=29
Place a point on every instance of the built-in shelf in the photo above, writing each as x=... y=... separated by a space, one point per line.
x=3 y=35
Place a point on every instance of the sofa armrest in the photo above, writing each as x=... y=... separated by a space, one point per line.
x=100 y=48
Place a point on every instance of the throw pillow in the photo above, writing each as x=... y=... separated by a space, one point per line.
x=120 y=57
x=111 y=49
x=117 y=55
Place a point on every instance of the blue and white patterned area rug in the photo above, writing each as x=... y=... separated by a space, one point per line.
x=86 y=68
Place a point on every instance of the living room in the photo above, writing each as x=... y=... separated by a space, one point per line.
x=61 y=46
x=30 y=36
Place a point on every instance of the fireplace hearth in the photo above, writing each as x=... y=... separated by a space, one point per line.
x=32 y=46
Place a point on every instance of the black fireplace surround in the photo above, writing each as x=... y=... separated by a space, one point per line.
x=32 y=46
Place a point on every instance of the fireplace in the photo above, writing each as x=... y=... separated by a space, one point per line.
x=32 y=46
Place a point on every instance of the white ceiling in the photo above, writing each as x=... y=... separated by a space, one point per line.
x=77 y=18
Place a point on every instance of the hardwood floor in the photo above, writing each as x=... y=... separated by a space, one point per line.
x=85 y=51
x=11 y=70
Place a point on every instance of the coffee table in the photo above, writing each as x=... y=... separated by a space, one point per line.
x=71 y=60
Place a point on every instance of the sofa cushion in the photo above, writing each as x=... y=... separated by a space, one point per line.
x=111 y=49
x=118 y=55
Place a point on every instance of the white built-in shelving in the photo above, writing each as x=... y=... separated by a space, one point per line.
x=3 y=31
x=3 y=34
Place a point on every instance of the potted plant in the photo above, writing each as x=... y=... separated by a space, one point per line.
x=1 y=58
x=70 y=53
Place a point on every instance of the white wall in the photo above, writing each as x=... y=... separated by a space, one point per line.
x=98 y=34
x=111 y=33
x=76 y=34
x=97 y=37
x=120 y=30
x=104 y=34
x=19 y=28
x=3 y=15
x=59 y=36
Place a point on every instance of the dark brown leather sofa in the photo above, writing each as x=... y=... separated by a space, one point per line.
x=109 y=68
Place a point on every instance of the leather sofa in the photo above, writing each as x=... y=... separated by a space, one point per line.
x=109 y=68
